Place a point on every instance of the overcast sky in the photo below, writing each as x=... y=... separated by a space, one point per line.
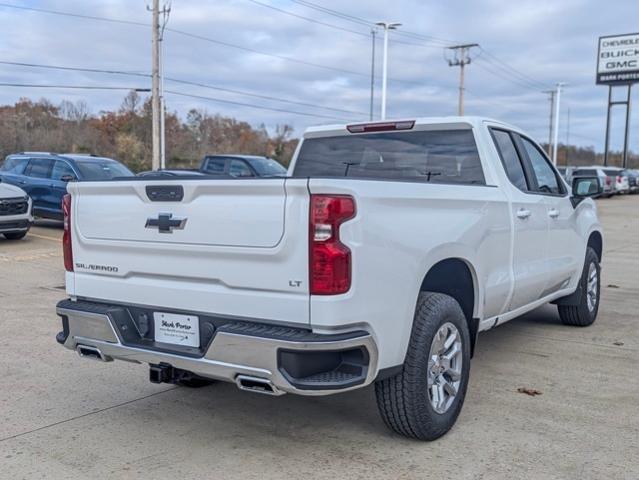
x=527 y=46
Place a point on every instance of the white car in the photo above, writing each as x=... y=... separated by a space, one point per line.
x=15 y=212
x=620 y=179
x=379 y=258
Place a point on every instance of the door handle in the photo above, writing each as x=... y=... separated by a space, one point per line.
x=553 y=213
x=523 y=213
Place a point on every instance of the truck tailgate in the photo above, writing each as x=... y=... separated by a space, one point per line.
x=228 y=247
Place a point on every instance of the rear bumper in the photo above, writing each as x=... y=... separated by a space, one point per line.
x=292 y=360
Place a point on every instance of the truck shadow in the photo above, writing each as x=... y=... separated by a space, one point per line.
x=261 y=419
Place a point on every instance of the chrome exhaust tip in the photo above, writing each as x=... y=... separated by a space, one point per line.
x=92 y=353
x=257 y=385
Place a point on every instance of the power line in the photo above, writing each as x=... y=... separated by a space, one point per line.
x=368 y=23
x=286 y=12
x=201 y=97
x=75 y=69
x=264 y=97
x=180 y=81
x=72 y=87
x=524 y=80
x=503 y=75
x=493 y=59
x=361 y=34
x=259 y=107
x=194 y=36
x=76 y=15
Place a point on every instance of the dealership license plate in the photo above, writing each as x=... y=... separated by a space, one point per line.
x=177 y=329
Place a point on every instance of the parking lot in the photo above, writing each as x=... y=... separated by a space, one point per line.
x=63 y=417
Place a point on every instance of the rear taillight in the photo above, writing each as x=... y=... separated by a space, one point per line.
x=329 y=258
x=608 y=181
x=66 y=236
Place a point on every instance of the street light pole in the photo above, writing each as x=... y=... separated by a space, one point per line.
x=373 y=35
x=550 y=121
x=387 y=26
x=556 y=132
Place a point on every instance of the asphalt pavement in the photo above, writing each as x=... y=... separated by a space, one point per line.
x=63 y=417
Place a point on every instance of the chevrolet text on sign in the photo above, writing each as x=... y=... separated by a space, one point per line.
x=618 y=59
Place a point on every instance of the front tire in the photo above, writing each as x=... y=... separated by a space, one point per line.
x=423 y=401
x=584 y=313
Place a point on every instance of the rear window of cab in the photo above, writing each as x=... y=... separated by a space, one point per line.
x=431 y=156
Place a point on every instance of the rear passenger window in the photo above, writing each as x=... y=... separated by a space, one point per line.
x=510 y=159
x=545 y=175
x=435 y=156
x=215 y=165
x=39 y=168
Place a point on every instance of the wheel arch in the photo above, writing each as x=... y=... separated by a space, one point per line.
x=456 y=278
x=595 y=240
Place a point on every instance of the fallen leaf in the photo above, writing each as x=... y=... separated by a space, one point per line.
x=529 y=391
x=612 y=285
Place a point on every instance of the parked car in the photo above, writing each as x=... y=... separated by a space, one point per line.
x=15 y=212
x=633 y=180
x=242 y=166
x=620 y=179
x=170 y=173
x=563 y=171
x=44 y=176
x=378 y=260
x=607 y=181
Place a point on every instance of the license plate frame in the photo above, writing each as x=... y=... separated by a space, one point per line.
x=176 y=329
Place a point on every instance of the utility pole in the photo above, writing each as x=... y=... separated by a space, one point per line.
x=387 y=26
x=373 y=35
x=551 y=122
x=155 y=85
x=556 y=129
x=166 y=10
x=461 y=59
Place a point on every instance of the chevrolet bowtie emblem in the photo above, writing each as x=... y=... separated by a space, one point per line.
x=166 y=222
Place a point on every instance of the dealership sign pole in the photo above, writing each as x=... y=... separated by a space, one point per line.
x=618 y=65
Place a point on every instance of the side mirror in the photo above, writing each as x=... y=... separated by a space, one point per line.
x=67 y=178
x=584 y=187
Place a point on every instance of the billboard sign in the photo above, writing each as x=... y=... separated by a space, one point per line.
x=618 y=59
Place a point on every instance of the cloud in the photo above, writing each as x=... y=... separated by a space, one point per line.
x=530 y=44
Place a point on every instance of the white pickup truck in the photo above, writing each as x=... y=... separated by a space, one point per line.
x=379 y=258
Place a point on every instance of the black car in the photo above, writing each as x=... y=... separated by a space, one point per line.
x=242 y=166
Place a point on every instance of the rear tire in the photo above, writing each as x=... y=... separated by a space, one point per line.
x=423 y=401
x=584 y=313
x=15 y=235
